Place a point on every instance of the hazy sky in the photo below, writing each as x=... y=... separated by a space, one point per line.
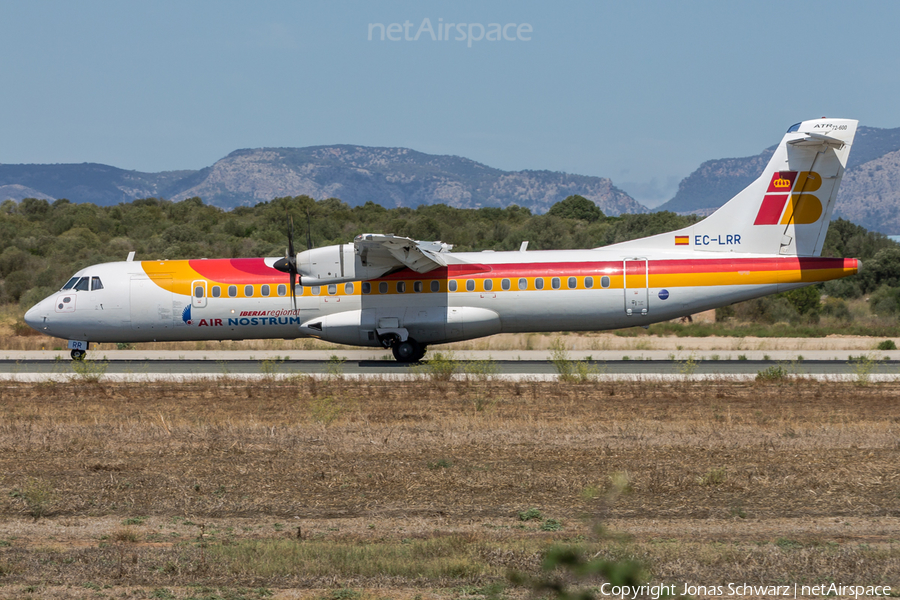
x=641 y=92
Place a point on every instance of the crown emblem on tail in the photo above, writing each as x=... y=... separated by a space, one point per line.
x=782 y=183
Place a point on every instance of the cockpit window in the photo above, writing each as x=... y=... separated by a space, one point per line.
x=70 y=283
x=83 y=284
x=96 y=284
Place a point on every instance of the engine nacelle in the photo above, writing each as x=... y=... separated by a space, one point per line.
x=427 y=325
x=335 y=264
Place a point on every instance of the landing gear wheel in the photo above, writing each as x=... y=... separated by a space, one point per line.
x=408 y=351
x=78 y=354
x=422 y=349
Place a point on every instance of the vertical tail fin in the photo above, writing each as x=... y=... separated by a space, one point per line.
x=786 y=211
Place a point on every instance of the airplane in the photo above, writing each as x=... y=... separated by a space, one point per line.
x=395 y=292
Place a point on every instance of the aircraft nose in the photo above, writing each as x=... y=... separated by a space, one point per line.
x=34 y=318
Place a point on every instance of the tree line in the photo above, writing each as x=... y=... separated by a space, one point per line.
x=43 y=243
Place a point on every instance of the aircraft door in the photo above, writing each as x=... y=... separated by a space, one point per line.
x=635 y=282
x=198 y=293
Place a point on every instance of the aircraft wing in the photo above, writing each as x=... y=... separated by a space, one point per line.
x=378 y=250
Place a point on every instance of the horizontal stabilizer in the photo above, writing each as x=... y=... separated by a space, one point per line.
x=817 y=139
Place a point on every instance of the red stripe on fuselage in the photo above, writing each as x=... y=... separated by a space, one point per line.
x=236 y=270
x=657 y=267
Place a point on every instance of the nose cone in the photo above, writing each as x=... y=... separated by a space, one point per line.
x=35 y=316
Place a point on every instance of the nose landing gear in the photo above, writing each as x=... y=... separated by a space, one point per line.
x=79 y=349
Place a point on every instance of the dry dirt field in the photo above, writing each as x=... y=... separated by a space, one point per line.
x=335 y=489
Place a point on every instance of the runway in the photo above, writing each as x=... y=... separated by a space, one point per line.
x=190 y=365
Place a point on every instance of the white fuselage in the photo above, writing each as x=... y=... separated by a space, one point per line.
x=480 y=294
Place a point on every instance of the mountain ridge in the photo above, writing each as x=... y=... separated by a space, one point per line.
x=356 y=174
x=395 y=176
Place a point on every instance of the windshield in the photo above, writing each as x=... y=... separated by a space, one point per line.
x=82 y=285
x=70 y=283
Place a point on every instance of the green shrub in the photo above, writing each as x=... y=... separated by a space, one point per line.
x=805 y=300
x=769 y=309
x=775 y=373
x=836 y=308
x=886 y=345
x=439 y=367
x=532 y=514
x=551 y=525
x=885 y=302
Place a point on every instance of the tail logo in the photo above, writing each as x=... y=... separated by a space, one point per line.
x=782 y=183
x=803 y=208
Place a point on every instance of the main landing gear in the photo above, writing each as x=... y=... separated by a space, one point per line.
x=409 y=351
x=78 y=354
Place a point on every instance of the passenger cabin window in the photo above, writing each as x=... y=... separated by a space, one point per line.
x=282 y=290
x=452 y=285
x=470 y=285
x=505 y=284
x=232 y=291
x=298 y=289
x=248 y=290
x=604 y=282
x=488 y=285
x=523 y=284
x=198 y=291
x=588 y=282
x=382 y=287
x=82 y=285
x=538 y=283
x=332 y=289
x=401 y=286
x=95 y=283
x=435 y=286
x=366 y=287
x=216 y=291
x=417 y=286
x=264 y=290
x=348 y=288
x=573 y=283
x=555 y=283
x=70 y=283
x=315 y=290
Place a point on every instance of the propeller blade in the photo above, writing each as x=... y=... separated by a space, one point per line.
x=294 y=290
x=291 y=254
x=292 y=264
x=288 y=264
